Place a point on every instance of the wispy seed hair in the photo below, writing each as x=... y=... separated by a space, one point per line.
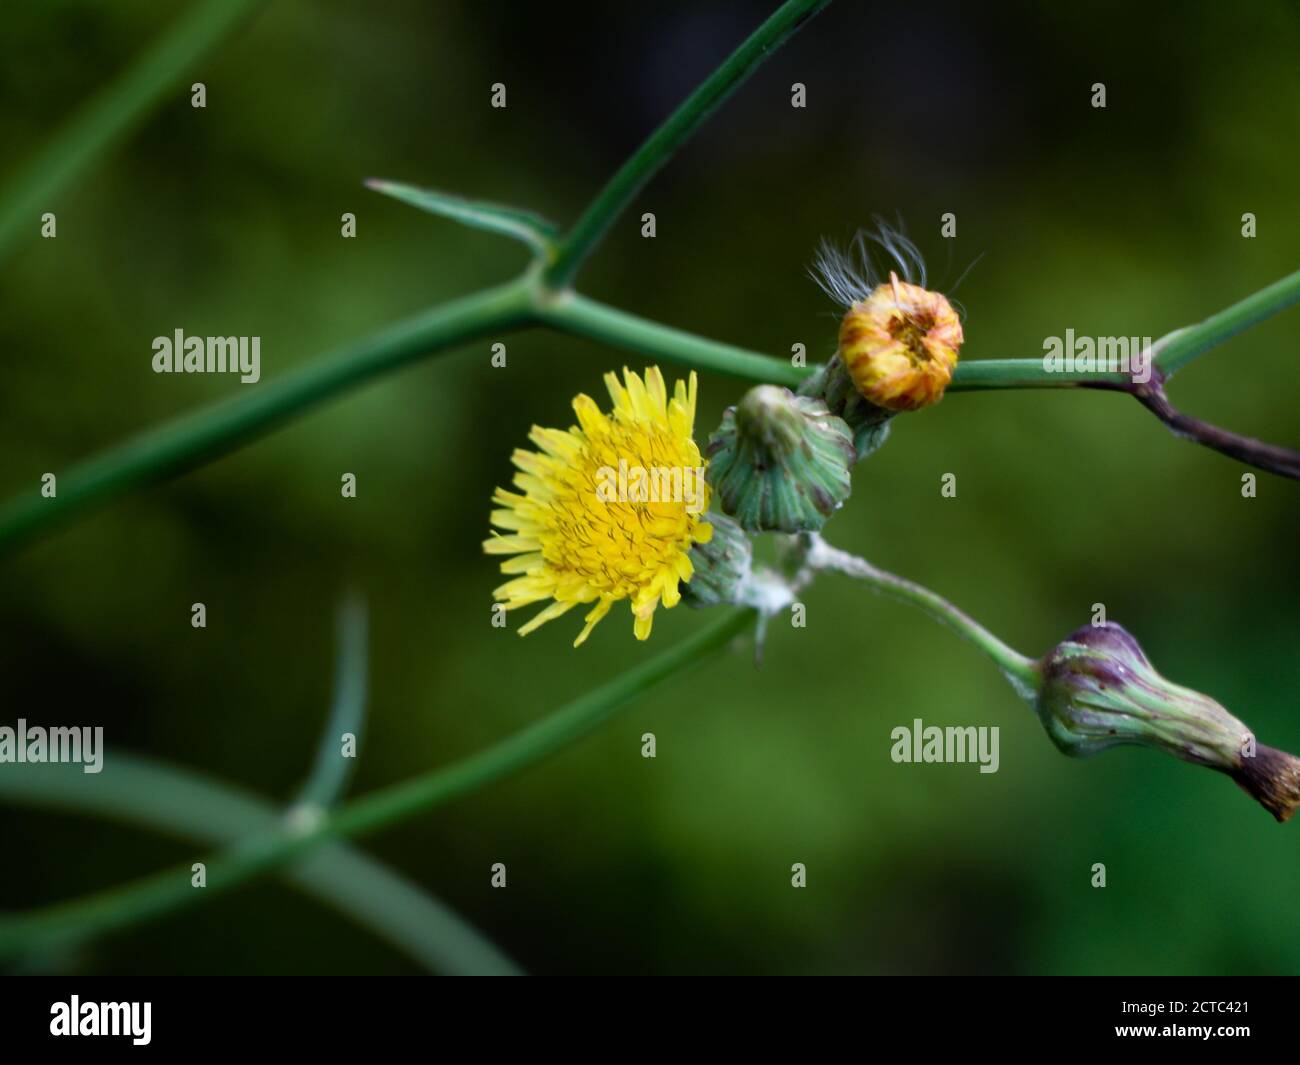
x=849 y=275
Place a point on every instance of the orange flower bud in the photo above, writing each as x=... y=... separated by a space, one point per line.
x=900 y=345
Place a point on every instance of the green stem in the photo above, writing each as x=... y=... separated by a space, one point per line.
x=574 y=313
x=217 y=430
x=262 y=853
x=1177 y=349
x=189 y=805
x=982 y=375
x=595 y=221
x=331 y=772
x=112 y=114
x=1021 y=671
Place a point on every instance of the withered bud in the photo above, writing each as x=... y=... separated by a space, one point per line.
x=1099 y=691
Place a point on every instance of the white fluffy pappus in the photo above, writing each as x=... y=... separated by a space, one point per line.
x=848 y=275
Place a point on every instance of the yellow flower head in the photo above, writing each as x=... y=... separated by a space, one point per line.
x=900 y=345
x=609 y=507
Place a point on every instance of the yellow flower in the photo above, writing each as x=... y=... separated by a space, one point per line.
x=900 y=345
x=609 y=507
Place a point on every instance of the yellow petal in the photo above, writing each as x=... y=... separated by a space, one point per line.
x=556 y=442
x=654 y=383
x=590 y=416
x=684 y=566
x=637 y=397
x=536 y=487
x=672 y=593
x=513 y=520
x=549 y=614
x=510 y=545
x=641 y=628
x=594 y=615
x=508 y=499
x=523 y=590
x=523 y=563
x=691 y=389
x=543 y=466
x=617 y=394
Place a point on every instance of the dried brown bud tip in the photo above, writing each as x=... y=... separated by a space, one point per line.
x=1271 y=778
x=1099 y=691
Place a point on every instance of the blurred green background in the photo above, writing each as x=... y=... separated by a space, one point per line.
x=1121 y=221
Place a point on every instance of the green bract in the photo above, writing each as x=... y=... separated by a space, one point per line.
x=780 y=462
x=721 y=566
x=833 y=386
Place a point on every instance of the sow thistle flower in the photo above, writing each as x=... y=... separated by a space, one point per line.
x=898 y=341
x=591 y=522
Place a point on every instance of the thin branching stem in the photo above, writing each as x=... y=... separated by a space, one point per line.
x=187 y=804
x=577 y=314
x=1017 y=668
x=264 y=852
x=986 y=375
x=1280 y=460
x=1180 y=347
x=331 y=772
x=193 y=441
x=111 y=114
x=663 y=143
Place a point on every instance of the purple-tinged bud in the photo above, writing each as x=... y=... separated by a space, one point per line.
x=1099 y=690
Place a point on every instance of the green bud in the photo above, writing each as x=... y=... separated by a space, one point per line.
x=834 y=387
x=780 y=462
x=722 y=566
x=1099 y=690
